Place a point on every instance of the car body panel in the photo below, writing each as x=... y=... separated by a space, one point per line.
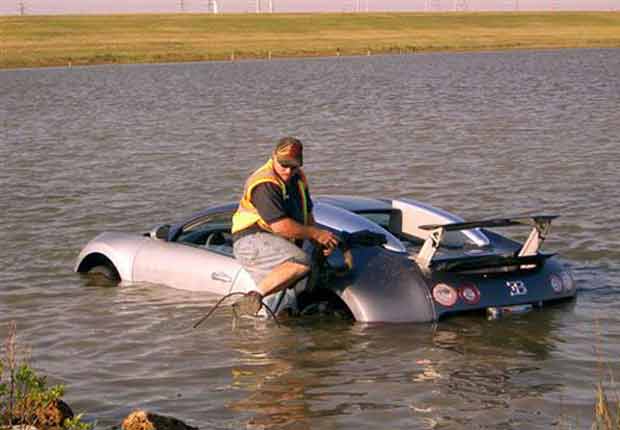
x=119 y=248
x=354 y=203
x=339 y=219
x=416 y=213
x=527 y=286
x=194 y=268
x=384 y=287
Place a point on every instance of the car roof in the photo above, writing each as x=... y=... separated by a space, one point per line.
x=355 y=203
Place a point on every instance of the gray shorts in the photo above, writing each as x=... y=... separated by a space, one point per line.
x=260 y=253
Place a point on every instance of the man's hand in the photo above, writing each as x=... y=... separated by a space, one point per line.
x=327 y=239
x=291 y=229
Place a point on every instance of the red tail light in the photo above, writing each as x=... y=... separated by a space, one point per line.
x=469 y=293
x=445 y=295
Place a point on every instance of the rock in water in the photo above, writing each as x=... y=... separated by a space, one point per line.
x=143 y=420
x=52 y=416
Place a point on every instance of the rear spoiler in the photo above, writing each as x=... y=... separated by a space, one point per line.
x=540 y=223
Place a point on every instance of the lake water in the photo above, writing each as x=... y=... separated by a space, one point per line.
x=124 y=148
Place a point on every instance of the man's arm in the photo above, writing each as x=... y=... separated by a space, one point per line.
x=267 y=198
x=291 y=229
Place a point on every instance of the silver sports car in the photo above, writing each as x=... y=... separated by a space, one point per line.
x=400 y=260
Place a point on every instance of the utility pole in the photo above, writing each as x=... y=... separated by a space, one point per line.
x=460 y=5
x=212 y=6
x=182 y=5
x=22 y=8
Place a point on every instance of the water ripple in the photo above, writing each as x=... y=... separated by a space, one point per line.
x=127 y=147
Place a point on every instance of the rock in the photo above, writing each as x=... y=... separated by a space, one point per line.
x=49 y=417
x=143 y=420
x=52 y=416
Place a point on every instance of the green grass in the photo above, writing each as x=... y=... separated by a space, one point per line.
x=34 y=41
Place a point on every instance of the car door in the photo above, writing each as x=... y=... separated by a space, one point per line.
x=200 y=258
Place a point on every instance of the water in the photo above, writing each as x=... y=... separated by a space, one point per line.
x=86 y=150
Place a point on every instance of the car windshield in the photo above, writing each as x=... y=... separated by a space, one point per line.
x=211 y=231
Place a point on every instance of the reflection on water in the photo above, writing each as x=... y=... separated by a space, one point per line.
x=297 y=376
x=128 y=147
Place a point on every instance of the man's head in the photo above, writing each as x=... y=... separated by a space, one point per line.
x=287 y=157
x=289 y=152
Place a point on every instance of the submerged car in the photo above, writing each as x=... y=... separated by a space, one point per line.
x=415 y=262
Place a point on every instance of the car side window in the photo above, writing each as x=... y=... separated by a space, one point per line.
x=211 y=231
x=391 y=220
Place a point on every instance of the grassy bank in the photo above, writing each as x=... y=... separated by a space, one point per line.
x=33 y=41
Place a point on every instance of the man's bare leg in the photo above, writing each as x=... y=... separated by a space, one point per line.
x=282 y=277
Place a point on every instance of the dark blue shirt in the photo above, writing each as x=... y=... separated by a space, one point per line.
x=272 y=206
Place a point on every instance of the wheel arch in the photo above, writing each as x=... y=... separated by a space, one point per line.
x=386 y=287
x=95 y=259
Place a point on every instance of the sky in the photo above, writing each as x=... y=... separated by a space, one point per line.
x=10 y=7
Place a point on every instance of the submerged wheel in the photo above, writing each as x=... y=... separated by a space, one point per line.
x=104 y=270
x=101 y=266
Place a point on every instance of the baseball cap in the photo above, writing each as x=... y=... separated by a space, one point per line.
x=289 y=152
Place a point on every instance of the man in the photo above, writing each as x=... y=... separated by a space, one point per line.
x=273 y=219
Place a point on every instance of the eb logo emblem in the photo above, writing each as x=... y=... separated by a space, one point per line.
x=517 y=288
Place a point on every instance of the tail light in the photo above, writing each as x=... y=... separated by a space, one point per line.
x=445 y=295
x=469 y=293
x=556 y=283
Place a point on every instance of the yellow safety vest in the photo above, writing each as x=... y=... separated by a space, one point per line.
x=247 y=215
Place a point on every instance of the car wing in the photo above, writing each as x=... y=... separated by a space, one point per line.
x=541 y=225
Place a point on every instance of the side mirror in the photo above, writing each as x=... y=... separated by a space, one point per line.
x=160 y=232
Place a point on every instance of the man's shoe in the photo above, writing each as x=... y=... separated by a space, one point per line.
x=249 y=304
